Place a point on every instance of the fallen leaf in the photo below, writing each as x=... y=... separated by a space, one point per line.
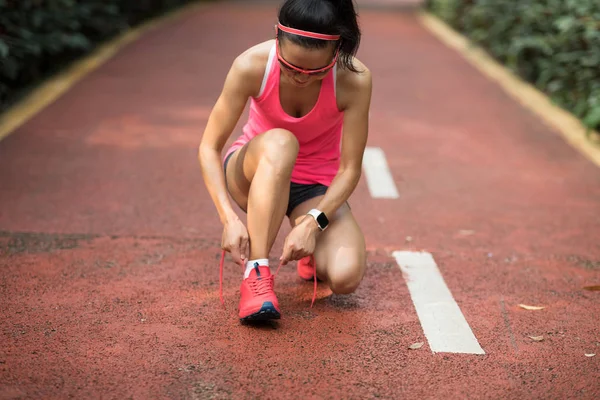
x=466 y=232
x=525 y=306
x=537 y=338
x=415 y=346
x=595 y=288
x=590 y=354
x=409 y=239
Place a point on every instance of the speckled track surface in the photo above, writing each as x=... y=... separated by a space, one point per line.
x=109 y=242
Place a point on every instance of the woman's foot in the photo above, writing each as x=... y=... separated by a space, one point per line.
x=258 y=301
x=305 y=268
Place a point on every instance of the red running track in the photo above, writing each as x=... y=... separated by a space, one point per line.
x=109 y=242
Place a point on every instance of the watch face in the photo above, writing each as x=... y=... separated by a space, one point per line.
x=322 y=221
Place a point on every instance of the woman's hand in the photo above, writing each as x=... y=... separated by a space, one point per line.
x=235 y=240
x=301 y=241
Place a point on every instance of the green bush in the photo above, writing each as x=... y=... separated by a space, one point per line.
x=554 y=44
x=38 y=37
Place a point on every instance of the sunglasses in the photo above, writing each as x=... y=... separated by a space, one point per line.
x=309 y=72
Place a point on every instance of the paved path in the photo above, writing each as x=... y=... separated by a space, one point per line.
x=109 y=242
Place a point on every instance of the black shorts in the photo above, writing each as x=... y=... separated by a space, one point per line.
x=299 y=193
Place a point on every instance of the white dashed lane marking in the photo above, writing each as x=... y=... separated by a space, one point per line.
x=444 y=325
x=379 y=178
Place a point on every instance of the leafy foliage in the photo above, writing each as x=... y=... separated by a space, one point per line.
x=554 y=44
x=38 y=37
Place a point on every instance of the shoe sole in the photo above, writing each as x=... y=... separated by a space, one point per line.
x=266 y=313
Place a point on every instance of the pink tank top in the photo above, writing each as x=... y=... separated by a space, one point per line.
x=318 y=132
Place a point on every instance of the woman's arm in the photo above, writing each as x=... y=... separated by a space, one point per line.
x=356 y=98
x=355 y=101
x=238 y=87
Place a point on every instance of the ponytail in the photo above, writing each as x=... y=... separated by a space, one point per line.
x=349 y=31
x=334 y=17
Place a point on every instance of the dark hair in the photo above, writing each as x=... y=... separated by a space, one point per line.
x=334 y=17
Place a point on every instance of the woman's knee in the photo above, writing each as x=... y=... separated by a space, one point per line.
x=279 y=146
x=345 y=277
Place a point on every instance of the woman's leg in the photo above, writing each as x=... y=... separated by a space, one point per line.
x=258 y=179
x=340 y=253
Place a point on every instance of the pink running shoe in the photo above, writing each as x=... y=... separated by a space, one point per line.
x=258 y=301
x=306 y=268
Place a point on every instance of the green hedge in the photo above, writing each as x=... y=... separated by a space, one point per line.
x=38 y=37
x=554 y=44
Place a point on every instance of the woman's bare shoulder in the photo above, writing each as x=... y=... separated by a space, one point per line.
x=250 y=65
x=351 y=84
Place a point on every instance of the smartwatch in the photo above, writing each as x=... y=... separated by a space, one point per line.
x=320 y=217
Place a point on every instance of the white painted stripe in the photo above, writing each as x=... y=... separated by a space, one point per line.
x=379 y=179
x=444 y=325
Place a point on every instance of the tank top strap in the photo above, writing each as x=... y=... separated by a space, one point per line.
x=269 y=77
x=328 y=91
